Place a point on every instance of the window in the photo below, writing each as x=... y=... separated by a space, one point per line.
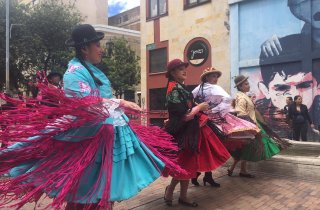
x=157 y=60
x=192 y=3
x=157 y=121
x=157 y=98
x=129 y=95
x=119 y=20
x=157 y=8
x=125 y=18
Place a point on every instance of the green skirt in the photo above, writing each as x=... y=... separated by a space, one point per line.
x=261 y=149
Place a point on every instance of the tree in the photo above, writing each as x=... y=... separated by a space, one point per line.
x=51 y=23
x=37 y=41
x=18 y=15
x=122 y=67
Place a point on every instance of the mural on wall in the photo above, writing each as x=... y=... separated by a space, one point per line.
x=283 y=36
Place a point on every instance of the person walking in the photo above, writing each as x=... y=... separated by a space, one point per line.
x=299 y=115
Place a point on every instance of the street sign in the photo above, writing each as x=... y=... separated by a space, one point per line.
x=151 y=47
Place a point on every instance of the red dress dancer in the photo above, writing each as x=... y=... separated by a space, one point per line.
x=200 y=149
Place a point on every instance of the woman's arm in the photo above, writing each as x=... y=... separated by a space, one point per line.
x=195 y=110
x=189 y=116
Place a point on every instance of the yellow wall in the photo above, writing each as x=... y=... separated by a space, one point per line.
x=93 y=11
x=181 y=26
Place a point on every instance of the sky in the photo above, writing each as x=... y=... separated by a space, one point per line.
x=118 y=6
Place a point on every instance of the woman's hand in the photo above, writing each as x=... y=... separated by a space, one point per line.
x=203 y=106
x=130 y=105
x=312 y=125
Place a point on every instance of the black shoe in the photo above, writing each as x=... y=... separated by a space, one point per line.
x=208 y=178
x=194 y=181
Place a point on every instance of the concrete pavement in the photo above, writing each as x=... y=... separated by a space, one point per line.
x=266 y=191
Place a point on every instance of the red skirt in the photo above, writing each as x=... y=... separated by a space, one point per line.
x=211 y=154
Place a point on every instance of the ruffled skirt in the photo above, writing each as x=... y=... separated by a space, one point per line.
x=253 y=152
x=234 y=132
x=84 y=172
x=211 y=154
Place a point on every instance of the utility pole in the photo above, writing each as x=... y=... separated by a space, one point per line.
x=7 y=43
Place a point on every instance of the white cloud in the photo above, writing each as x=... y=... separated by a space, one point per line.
x=125 y=4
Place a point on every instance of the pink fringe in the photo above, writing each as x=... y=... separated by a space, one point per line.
x=61 y=164
x=60 y=167
x=161 y=145
x=29 y=118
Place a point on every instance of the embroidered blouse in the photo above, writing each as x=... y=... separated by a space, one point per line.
x=244 y=106
x=183 y=122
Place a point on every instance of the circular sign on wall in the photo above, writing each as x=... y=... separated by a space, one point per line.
x=197 y=53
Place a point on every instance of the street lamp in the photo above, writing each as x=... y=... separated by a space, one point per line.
x=109 y=46
x=11 y=26
x=7 y=43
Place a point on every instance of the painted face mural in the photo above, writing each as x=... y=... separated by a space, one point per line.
x=281 y=79
x=283 y=86
x=289 y=61
x=307 y=11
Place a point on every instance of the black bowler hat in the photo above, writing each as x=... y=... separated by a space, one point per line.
x=84 y=34
x=54 y=74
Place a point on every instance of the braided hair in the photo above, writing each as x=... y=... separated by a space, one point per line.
x=79 y=55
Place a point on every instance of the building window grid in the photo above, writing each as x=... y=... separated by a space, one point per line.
x=125 y=18
x=157 y=8
x=193 y=3
x=157 y=60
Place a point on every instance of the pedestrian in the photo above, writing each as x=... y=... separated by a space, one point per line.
x=267 y=143
x=3 y=107
x=234 y=132
x=55 y=79
x=299 y=115
x=289 y=101
x=88 y=165
x=200 y=148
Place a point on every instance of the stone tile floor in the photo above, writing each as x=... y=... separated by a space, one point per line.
x=266 y=191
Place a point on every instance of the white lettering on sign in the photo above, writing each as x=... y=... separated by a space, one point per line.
x=194 y=52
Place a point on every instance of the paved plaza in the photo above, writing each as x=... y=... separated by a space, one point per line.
x=266 y=191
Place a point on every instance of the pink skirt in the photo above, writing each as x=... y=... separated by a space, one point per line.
x=238 y=132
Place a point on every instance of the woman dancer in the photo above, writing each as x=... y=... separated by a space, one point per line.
x=90 y=156
x=234 y=131
x=200 y=149
x=269 y=144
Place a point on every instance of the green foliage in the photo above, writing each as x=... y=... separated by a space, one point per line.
x=37 y=40
x=122 y=67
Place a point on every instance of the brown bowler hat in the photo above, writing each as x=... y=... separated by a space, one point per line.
x=239 y=80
